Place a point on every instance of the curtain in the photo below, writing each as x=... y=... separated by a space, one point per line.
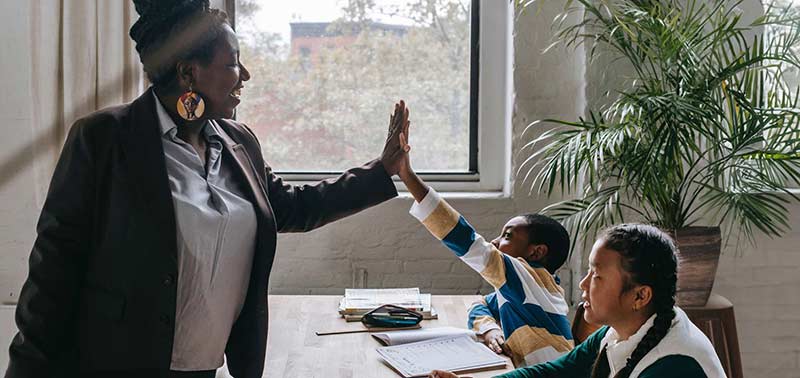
x=82 y=60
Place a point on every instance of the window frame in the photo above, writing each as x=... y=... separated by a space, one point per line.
x=490 y=91
x=790 y=187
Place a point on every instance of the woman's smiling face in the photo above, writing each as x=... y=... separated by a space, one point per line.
x=221 y=80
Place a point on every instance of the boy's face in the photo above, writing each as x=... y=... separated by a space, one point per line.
x=513 y=239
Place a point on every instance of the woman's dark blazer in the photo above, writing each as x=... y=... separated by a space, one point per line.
x=101 y=289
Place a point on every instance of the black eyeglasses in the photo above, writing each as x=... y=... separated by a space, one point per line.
x=391 y=316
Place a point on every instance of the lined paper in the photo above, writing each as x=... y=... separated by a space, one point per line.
x=456 y=353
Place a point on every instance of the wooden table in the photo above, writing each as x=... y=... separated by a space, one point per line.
x=294 y=350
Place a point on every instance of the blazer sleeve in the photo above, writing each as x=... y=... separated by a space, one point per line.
x=305 y=207
x=45 y=313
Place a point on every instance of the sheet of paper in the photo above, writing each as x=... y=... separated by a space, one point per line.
x=412 y=336
x=457 y=353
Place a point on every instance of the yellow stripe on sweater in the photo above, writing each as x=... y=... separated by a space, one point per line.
x=544 y=279
x=441 y=220
x=481 y=320
x=495 y=271
x=525 y=340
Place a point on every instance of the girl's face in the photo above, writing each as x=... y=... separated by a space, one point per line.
x=605 y=303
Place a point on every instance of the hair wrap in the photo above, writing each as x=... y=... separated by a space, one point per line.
x=156 y=16
x=169 y=30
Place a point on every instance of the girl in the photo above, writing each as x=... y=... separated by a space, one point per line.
x=630 y=287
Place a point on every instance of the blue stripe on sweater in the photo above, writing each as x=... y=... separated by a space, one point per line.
x=460 y=238
x=514 y=313
x=482 y=310
x=491 y=301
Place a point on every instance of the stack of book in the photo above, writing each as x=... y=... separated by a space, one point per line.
x=357 y=302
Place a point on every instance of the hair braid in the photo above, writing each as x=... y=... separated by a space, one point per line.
x=601 y=369
x=661 y=325
x=648 y=256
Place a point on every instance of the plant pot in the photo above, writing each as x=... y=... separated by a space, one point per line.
x=698 y=256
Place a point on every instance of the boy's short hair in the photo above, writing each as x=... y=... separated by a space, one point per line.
x=545 y=230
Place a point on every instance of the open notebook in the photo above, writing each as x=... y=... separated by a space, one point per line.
x=456 y=354
x=415 y=335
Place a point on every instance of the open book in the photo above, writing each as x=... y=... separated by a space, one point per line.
x=456 y=354
x=412 y=336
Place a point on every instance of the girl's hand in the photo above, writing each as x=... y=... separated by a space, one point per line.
x=441 y=374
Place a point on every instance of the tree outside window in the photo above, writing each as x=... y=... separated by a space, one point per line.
x=321 y=95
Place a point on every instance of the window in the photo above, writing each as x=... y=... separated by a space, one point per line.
x=325 y=76
x=784 y=79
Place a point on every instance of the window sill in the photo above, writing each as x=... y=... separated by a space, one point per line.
x=461 y=195
x=466 y=185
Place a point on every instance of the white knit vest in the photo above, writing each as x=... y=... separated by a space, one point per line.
x=683 y=338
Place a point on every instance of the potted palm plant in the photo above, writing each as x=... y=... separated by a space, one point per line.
x=702 y=130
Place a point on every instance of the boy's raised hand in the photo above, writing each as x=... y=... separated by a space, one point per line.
x=405 y=167
x=395 y=155
x=400 y=126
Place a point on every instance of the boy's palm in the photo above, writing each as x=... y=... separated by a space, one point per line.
x=395 y=153
x=405 y=166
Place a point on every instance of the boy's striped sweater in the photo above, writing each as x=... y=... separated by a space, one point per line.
x=527 y=303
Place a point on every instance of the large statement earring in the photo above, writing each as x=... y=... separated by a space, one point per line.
x=191 y=105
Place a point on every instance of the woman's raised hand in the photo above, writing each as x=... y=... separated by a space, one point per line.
x=395 y=151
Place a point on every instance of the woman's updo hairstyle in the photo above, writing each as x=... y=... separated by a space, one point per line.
x=171 y=30
x=648 y=256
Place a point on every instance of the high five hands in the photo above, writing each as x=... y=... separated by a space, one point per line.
x=395 y=152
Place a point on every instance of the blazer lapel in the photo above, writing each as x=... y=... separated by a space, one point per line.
x=245 y=165
x=145 y=156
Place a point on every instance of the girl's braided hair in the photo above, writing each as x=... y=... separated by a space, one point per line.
x=171 y=30
x=648 y=256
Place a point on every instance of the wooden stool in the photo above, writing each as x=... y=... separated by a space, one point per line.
x=716 y=320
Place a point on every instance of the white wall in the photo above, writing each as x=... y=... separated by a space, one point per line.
x=388 y=243
x=18 y=207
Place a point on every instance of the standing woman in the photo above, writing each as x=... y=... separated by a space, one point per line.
x=630 y=287
x=158 y=234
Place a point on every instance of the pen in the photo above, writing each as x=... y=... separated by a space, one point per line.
x=373 y=329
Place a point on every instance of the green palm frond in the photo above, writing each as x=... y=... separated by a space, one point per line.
x=705 y=126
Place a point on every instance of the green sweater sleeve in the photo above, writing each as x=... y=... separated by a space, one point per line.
x=674 y=366
x=576 y=363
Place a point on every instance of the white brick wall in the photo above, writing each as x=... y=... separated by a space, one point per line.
x=763 y=283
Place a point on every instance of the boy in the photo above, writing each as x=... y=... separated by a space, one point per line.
x=527 y=309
